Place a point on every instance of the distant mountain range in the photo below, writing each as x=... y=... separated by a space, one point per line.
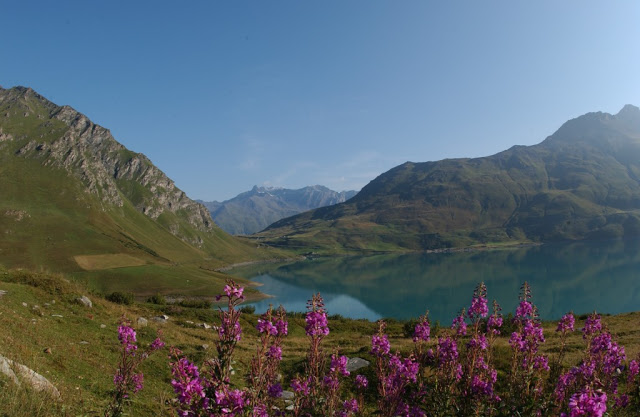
x=582 y=182
x=252 y=211
x=75 y=200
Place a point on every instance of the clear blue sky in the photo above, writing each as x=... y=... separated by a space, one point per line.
x=222 y=95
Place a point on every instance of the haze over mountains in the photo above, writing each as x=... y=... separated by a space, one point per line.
x=581 y=182
x=75 y=200
x=252 y=211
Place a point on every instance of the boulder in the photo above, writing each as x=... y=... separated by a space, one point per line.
x=18 y=372
x=353 y=364
x=85 y=301
x=142 y=322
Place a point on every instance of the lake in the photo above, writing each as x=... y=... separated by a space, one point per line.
x=579 y=277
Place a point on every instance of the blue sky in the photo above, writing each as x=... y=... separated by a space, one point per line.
x=222 y=95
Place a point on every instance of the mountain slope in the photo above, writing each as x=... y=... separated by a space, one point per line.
x=75 y=200
x=581 y=182
x=252 y=211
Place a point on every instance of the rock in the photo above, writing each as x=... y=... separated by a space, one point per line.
x=2 y=292
x=159 y=319
x=205 y=325
x=142 y=322
x=188 y=322
x=84 y=342
x=25 y=304
x=353 y=364
x=289 y=408
x=287 y=395
x=205 y=346
x=103 y=326
x=13 y=370
x=47 y=350
x=84 y=300
x=56 y=315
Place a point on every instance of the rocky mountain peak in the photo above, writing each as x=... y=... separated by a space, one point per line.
x=89 y=152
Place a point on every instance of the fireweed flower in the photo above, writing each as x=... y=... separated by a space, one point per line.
x=380 y=345
x=126 y=381
x=339 y=365
x=300 y=386
x=265 y=326
x=587 y=403
x=591 y=326
x=459 y=325
x=566 y=323
x=275 y=390
x=361 y=382
x=479 y=302
x=422 y=331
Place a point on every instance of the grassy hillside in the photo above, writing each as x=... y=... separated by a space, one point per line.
x=76 y=201
x=582 y=182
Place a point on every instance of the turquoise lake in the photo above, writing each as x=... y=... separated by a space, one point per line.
x=579 y=277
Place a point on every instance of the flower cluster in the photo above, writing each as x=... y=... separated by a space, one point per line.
x=125 y=379
x=450 y=372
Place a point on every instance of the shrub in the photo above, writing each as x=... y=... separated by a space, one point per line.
x=248 y=309
x=157 y=299
x=120 y=298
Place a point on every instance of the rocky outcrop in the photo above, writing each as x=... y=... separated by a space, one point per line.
x=107 y=169
x=19 y=373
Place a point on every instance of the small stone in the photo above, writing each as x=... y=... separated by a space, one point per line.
x=159 y=319
x=2 y=292
x=287 y=395
x=205 y=325
x=103 y=326
x=289 y=407
x=56 y=315
x=142 y=322
x=205 y=346
x=25 y=304
x=84 y=342
x=47 y=350
x=84 y=300
x=353 y=364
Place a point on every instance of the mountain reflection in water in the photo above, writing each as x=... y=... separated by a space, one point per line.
x=580 y=276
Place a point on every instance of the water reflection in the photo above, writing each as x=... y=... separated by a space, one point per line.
x=579 y=276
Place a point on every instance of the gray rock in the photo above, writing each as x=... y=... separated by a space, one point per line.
x=103 y=326
x=160 y=319
x=353 y=364
x=84 y=300
x=142 y=322
x=84 y=342
x=56 y=315
x=287 y=395
x=17 y=372
x=25 y=304
x=205 y=325
x=2 y=292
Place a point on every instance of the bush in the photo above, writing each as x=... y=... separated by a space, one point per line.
x=120 y=298
x=157 y=299
x=248 y=309
x=195 y=303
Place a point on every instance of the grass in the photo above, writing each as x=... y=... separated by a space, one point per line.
x=84 y=352
x=110 y=261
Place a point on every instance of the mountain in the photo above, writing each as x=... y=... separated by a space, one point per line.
x=252 y=211
x=582 y=182
x=75 y=200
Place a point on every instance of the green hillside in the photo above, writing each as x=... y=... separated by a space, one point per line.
x=580 y=183
x=74 y=200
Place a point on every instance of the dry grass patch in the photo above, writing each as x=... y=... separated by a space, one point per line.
x=107 y=261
